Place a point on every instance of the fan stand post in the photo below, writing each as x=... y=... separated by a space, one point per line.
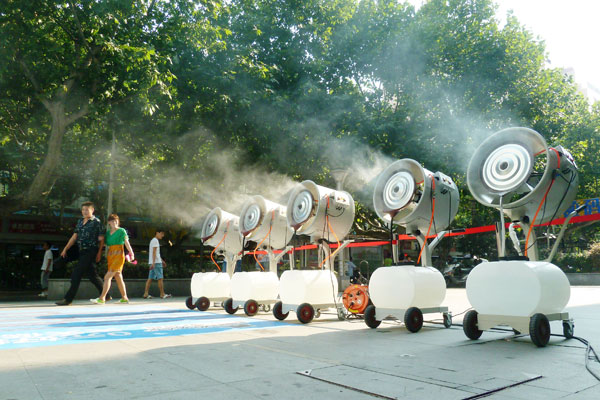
x=532 y=250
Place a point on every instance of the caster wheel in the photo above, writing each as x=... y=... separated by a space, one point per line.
x=266 y=307
x=340 y=314
x=447 y=320
x=370 y=317
x=305 y=313
x=413 y=319
x=470 y=325
x=251 y=308
x=277 y=311
x=189 y=303
x=228 y=306
x=539 y=330
x=202 y=303
x=317 y=313
x=568 y=329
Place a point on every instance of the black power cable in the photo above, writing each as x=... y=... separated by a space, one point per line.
x=569 y=182
x=590 y=353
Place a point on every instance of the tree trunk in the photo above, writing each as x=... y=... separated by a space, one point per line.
x=45 y=178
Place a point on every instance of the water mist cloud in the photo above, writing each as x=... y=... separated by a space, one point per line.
x=205 y=175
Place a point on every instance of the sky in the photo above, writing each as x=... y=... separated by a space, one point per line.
x=569 y=28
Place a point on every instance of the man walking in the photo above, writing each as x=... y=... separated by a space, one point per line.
x=46 y=268
x=89 y=235
x=156 y=265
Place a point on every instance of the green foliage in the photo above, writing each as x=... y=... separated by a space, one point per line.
x=594 y=256
x=276 y=83
x=573 y=262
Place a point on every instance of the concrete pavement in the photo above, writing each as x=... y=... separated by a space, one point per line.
x=158 y=349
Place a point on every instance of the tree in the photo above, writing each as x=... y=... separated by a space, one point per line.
x=68 y=62
x=281 y=87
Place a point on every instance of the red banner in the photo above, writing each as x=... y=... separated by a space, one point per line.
x=468 y=231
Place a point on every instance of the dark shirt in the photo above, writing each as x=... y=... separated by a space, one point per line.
x=87 y=235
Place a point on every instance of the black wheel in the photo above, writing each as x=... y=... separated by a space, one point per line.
x=413 y=319
x=189 y=303
x=266 y=307
x=447 y=320
x=305 y=313
x=202 y=303
x=228 y=306
x=539 y=330
x=370 y=317
x=251 y=308
x=277 y=311
x=568 y=329
x=470 y=325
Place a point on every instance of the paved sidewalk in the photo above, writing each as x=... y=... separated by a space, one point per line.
x=157 y=349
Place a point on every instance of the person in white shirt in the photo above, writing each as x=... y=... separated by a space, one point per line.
x=46 y=268
x=156 y=265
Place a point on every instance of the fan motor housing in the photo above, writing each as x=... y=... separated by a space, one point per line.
x=405 y=191
x=311 y=206
x=515 y=166
x=219 y=223
x=260 y=215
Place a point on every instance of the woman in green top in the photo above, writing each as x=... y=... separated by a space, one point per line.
x=116 y=239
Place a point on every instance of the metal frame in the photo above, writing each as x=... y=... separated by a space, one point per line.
x=382 y=314
x=242 y=303
x=213 y=300
x=485 y=322
x=285 y=308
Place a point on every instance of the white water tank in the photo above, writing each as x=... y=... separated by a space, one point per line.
x=308 y=286
x=406 y=286
x=518 y=288
x=255 y=285
x=210 y=285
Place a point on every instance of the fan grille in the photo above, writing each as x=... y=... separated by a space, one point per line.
x=507 y=168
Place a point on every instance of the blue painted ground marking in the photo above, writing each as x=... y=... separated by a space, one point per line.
x=51 y=326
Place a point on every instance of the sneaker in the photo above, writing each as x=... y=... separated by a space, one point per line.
x=97 y=300
x=124 y=301
x=43 y=294
x=108 y=297
x=147 y=296
x=166 y=296
x=63 y=302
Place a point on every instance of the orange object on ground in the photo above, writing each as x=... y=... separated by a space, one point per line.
x=356 y=298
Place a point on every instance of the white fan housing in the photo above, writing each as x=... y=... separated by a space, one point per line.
x=404 y=194
x=517 y=166
x=309 y=207
x=258 y=216
x=219 y=223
